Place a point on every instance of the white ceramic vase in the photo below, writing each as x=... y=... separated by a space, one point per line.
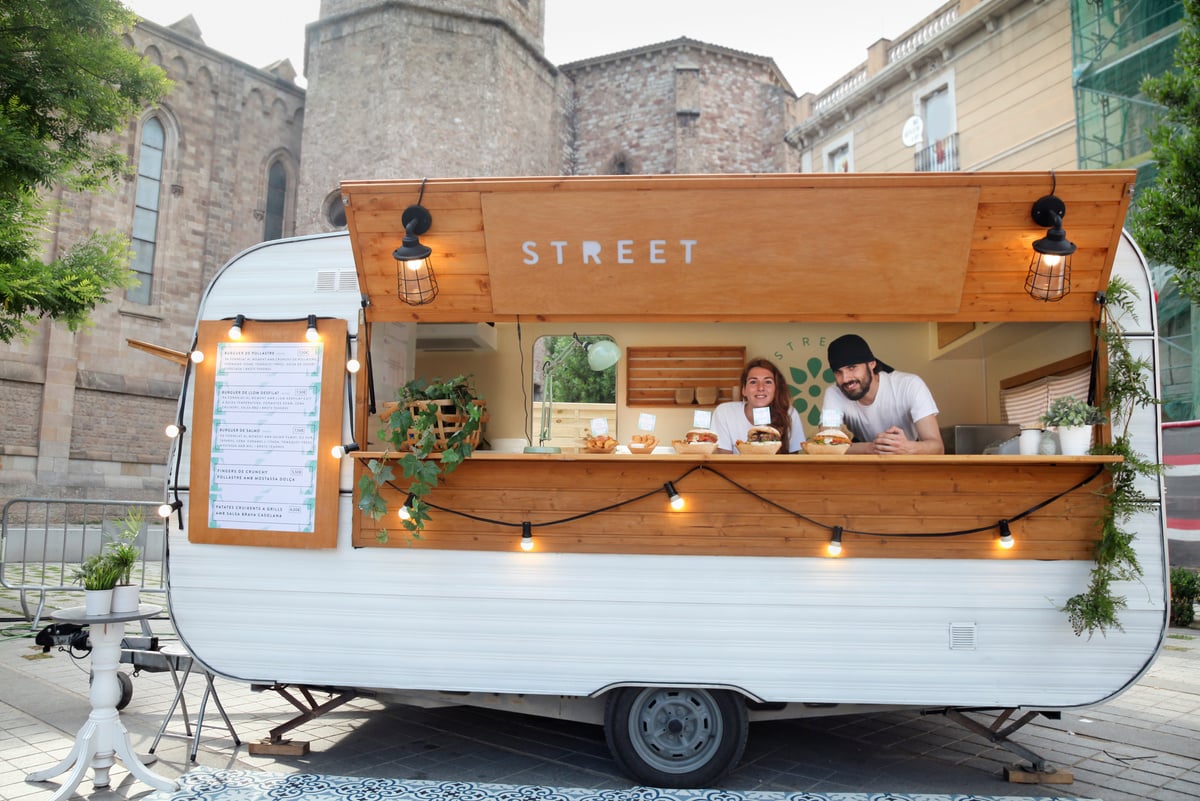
x=125 y=598
x=97 y=602
x=1075 y=440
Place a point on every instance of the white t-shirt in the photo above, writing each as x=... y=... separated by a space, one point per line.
x=730 y=424
x=902 y=399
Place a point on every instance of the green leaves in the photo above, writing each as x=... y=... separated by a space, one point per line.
x=66 y=80
x=426 y=409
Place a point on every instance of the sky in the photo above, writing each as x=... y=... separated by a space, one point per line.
x=813 y=43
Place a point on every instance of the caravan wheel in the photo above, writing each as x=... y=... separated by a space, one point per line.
x=672 y=737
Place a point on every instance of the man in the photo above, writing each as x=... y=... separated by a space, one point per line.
x=887 y=411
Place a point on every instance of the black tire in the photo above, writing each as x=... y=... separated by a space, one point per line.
x=126 y=688
x=676 y=737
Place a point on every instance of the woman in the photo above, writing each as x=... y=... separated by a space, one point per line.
x=762 y=387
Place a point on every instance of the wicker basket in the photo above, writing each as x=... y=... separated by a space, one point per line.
x=449 y=422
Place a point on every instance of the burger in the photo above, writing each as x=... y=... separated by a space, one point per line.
x=760 y=440
x=831 y=436
x=826 y=441
x=697 y=440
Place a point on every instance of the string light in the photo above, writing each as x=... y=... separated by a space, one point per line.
x=403 y=512
x=526 y=536
x=677 y=502
x=312 y=335
x=235 y=330
x=196 y=356
x=834 y=548
x=173 y=430
x=1006 y=537
x=352 y=366
x=167 y=508
x=339 y=451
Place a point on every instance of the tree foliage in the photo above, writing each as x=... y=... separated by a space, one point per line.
x=66 y=80
x=1166 y=222
x=574 y=380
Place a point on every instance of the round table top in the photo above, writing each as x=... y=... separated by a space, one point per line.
x=78 y=614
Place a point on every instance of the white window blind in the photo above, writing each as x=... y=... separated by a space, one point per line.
x=1024 y=405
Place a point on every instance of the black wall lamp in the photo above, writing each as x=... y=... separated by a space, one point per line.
x=416 y=283
x=1049 y=277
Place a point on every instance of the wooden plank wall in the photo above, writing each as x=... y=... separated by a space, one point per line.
x=895 y=497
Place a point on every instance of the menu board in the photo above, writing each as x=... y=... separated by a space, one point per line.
x=268 y=408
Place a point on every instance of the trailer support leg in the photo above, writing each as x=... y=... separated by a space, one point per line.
x=1038 y=771
x=309 y=710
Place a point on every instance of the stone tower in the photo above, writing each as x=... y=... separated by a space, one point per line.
x=425 y=88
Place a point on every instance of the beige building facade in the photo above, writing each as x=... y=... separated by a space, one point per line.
x=974 y=86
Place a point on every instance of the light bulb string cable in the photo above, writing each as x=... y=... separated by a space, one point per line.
x=572 y=518
x=798 y=515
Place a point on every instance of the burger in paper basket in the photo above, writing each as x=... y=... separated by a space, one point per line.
x=828 y=440
x=760 y=441
x=696 y=440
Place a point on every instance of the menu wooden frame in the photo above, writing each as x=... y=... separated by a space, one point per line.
x=331 y=407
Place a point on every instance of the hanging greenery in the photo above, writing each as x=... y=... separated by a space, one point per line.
x=1128 y=388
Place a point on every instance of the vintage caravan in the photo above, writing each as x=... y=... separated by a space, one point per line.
x=673 y=628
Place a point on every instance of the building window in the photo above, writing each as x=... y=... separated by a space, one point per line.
x=934 y=104
x=145 y=209
x=276 y=201
x=839 y=156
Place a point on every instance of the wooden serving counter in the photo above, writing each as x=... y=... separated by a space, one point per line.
x=925 y=507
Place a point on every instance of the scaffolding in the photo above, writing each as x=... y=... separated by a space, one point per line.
x=1115 y=45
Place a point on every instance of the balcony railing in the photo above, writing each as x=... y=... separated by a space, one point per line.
x=939 y=156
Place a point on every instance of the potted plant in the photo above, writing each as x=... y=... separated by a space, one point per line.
x=445 y=417
x=123 y=552
x=98 y=574
x=1074 y=419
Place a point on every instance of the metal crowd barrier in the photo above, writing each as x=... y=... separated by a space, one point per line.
x=44 y=540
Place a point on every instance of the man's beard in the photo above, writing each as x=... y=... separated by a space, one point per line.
x=863 y=388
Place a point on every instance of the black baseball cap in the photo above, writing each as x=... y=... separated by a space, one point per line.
x=853 y=349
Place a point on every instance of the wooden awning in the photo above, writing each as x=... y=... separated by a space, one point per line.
x=936 y=247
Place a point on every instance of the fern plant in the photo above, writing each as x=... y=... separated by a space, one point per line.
x=1128 y=388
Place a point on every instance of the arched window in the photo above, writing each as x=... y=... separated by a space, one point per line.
x=276 y=201
x=145 y=210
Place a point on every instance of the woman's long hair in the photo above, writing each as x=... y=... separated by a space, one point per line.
x=781 y=404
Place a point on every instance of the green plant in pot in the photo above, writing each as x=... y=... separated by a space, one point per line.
x=439 y=416
x=1071 y=411
x=97 y=572
x=123 y=552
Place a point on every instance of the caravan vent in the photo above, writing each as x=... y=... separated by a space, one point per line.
x=337 y=281
x=962 y=636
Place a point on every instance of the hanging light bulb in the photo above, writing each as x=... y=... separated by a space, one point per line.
x=166 y=509
x=403 y=513
x=175 y=429
x=352 y=366
x=677 y=502
x=834 y=548
x=235 y=330
x=1006 y=537
x=339 y=451
x=312 y=335
x=526 y=536
x=196 y=356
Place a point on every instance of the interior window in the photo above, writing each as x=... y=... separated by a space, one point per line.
x=574 y=393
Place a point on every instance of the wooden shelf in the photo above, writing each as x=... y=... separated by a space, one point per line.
x=653 y=374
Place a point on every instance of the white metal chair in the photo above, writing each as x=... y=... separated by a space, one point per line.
x=179 y=658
